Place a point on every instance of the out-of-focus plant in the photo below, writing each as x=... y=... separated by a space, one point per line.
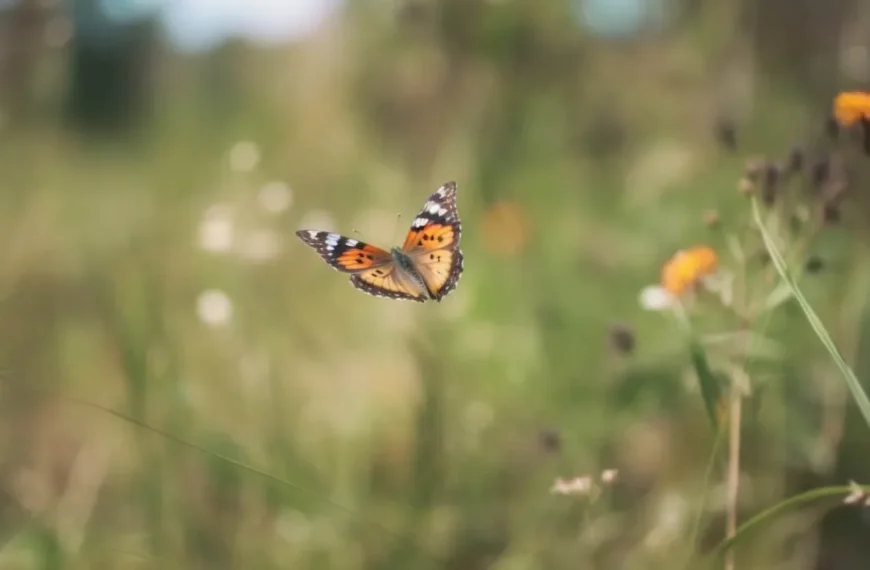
x=790 y=206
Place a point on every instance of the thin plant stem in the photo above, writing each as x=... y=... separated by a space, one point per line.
x=733 y=481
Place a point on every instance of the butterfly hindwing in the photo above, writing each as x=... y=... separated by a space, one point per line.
x=440 y=270
x=385 y=282
x=372 y=269
x=433 y=242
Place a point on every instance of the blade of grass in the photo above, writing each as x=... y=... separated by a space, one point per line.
x=399 y=537
x=783 y=507
x=779 y=263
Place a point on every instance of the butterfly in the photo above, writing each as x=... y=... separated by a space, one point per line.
x=426 y=267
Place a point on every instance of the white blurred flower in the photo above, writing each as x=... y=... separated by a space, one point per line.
x=609 y=475
x=317 y=220
x=260 y=245
x=293 y=526
x=217 y=229
x=214 y=308
x=575 y=486
x=244 y=156
x=655 y=298
x=275 y=196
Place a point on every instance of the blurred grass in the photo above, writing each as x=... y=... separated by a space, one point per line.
x=424 y=421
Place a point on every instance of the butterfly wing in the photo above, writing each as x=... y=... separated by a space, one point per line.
x=371 y=269
x=433 y=242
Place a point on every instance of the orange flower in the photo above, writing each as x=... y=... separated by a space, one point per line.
x=687 y=268
x=851 y=107
x=681 y=273
x=504 y=228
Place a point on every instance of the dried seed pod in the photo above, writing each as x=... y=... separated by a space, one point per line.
x=622 y=338
x=794 y=162
x=814 y=264
x=726 y=134
x=550 y=440
x=770 y=184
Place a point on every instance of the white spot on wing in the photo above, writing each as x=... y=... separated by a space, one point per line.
x=419 y=222
x=352 y=242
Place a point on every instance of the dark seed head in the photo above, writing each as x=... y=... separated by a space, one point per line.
x=832 y=128
x=622 y=339
x=820 y=171
x=865 y=136
x=550 y=440
x=711 y=219
x=831 y=214
x=770 y=184
x=726 y=134
x=814 y=264
x=795 y=160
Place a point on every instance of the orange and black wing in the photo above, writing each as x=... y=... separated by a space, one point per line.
x=371 y=269
x=433 y=242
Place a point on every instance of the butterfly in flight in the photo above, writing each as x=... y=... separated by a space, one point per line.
x=426 y=267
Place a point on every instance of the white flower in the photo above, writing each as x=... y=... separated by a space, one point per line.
x=275 y=196
x=244 y=156
x=217 y=229
x=657 y=298
x=575 y=486
x=214 y=308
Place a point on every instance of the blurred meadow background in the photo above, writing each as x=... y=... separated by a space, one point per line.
x=184 y=384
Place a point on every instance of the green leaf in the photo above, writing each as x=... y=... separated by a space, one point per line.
x=707 y=380
x=779 y=263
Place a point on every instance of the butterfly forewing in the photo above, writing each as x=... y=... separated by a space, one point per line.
x=433 y=242
x=345 y=254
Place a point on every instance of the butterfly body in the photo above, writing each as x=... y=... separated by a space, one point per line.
x=426 y=267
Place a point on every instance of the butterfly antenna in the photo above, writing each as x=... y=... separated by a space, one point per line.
x=398 y=218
